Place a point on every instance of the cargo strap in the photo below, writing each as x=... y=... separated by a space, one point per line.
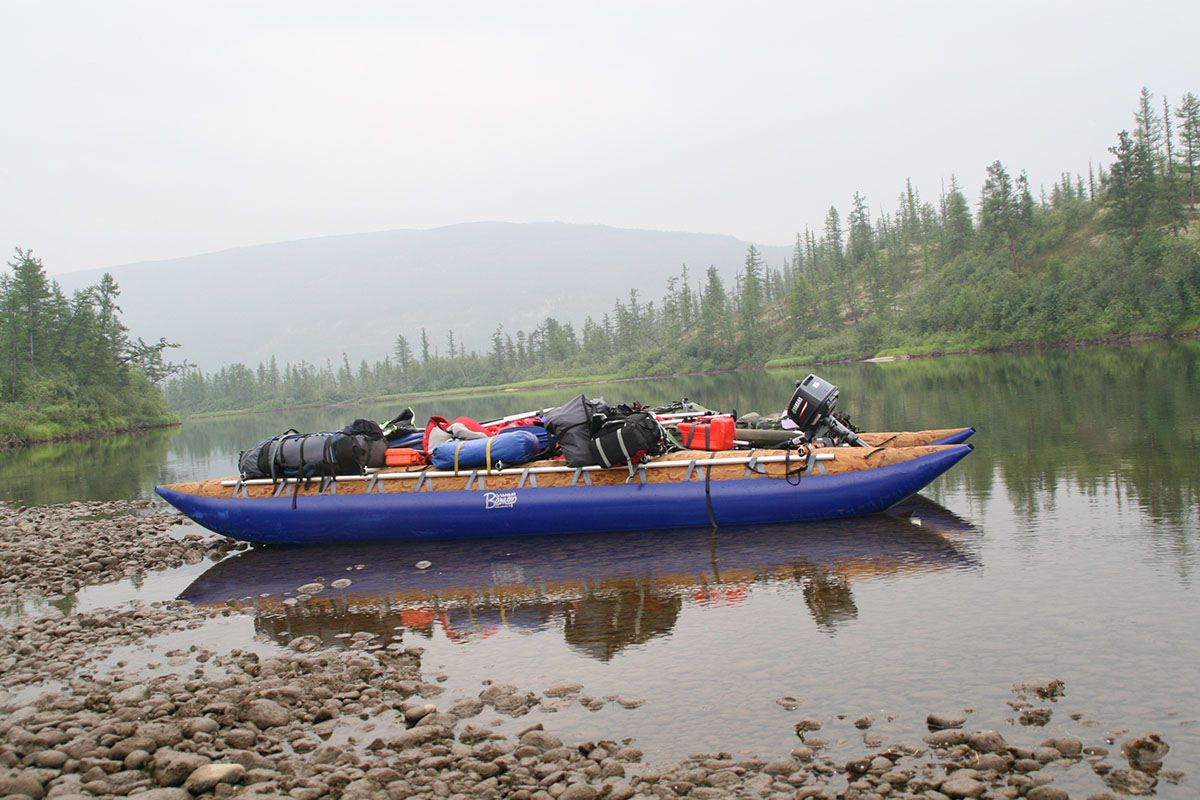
x=753 y=468
x=487 y=454
x=691 y=434
x=804 y=454
x=624 y=451
x=708 y=495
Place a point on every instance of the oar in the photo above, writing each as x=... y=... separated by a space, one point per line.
x=515 y=417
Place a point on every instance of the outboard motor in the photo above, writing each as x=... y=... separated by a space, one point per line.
x=811 y=408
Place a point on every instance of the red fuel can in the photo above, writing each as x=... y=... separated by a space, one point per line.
x=708 y=433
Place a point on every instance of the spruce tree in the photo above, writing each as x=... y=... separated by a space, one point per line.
x=1188 y=115
x=956 y=221
x=1131 y=190
x=751 y=303
x=1003 y=210
x=1148 y=131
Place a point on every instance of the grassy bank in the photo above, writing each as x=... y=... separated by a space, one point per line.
x=21 y=429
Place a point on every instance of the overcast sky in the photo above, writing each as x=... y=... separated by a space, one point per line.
x=135 y=131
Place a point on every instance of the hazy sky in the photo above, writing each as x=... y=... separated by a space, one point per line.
x=148 y=130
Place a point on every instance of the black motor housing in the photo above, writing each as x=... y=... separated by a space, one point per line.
x=811 y=408
x=814 y=399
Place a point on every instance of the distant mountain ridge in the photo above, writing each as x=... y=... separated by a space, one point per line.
x=315 y=299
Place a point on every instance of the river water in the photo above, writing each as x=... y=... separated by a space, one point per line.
x=1065 y=546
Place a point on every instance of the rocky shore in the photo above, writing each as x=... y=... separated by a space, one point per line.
x=56 y=550
x=82 y=716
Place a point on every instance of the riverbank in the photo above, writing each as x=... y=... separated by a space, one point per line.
x=413 y=398
x=151 y=700
x=49 y=434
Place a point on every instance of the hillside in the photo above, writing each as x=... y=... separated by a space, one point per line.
x=315 y=299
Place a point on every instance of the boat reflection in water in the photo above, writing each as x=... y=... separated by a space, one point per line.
x=606 y=591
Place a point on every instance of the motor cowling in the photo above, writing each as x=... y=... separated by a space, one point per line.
x=811 y=408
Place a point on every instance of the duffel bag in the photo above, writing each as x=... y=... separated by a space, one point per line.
x=628 y=441
x=370 y=437
x=258 y=461
x=306 y=455
x=509 y=447
x=571 y=427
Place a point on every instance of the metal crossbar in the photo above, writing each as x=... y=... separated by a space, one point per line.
x=422 y=476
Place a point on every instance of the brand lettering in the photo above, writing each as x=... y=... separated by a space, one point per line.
x=499 y=500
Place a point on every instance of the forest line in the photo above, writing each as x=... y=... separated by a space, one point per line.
x=1113 y=251
x=1110 y=252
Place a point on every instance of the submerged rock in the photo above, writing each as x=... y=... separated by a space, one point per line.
x=1045 y=688
x=1131 y=781
x=1145 y=752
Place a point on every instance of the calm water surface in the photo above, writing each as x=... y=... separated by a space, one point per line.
x=1065 y=546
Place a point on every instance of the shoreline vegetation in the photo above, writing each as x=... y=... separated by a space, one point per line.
x=68 y=367
x=1110 y=255
x=1114 y=340
x=10 y=442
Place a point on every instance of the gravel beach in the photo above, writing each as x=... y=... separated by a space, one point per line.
x=78 y=718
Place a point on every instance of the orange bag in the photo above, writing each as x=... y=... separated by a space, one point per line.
x=403 y=457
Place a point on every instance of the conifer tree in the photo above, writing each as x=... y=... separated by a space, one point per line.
x=404 y=358
x=1130 y=192
x=31 y=291
x=1147 y=130
x=1188 y=115
x=861 y=241
x=956 y=221
x=1003 y=211
x=716 y=327
x=751 y=305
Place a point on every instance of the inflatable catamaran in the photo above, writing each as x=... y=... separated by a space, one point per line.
x=610 y=480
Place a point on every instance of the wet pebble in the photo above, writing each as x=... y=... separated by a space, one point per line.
x=941 y=719
x=563 y=688
x=54 y=550
x=1044 y=688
